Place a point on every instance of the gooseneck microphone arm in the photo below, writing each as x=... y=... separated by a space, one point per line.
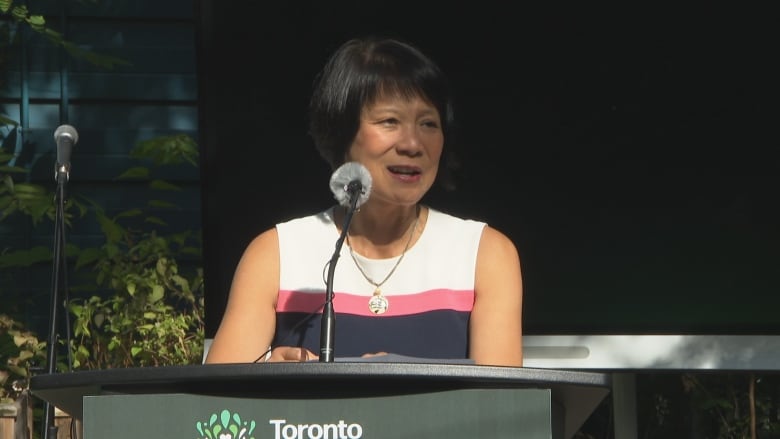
x=328 y=329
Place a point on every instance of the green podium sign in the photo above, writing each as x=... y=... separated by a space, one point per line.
x=452 y=414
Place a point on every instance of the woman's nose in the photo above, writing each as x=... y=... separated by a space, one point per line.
x=410 y=141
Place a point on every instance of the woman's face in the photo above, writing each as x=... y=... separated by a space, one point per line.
x=399 y=141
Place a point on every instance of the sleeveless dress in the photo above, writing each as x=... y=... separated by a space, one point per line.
x=430 y=294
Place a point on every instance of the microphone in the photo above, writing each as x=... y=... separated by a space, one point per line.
x=351 y=186
x=349 y=180
x=65 y=136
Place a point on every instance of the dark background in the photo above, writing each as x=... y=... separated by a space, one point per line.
x=627 y=153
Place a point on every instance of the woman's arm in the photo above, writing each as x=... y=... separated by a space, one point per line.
x=249 y=322
x=495 y=332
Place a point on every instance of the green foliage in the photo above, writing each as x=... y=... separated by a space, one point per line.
x=6 y=121
x=168 y=150
x=20 y=15
x=734 y=404
x=153 y=314
x=156 y=321
x=709 y=404
x=20 y=351
x=133 y=306
x=30 y=199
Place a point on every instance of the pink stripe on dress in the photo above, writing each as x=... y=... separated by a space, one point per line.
x=432 y=300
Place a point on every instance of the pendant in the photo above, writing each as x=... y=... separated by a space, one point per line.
x=378 y=304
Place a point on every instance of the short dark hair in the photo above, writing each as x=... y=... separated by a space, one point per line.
x=357 y=73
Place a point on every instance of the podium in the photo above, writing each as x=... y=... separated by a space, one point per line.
x=326 y=400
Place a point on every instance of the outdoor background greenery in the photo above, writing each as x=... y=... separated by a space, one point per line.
x=134 y=284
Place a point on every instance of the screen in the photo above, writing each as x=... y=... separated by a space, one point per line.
x=627 y=157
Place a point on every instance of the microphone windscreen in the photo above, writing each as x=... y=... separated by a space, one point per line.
x=346 y=174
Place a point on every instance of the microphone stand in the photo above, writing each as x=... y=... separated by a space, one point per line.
x=328 y=329
x=59 y=283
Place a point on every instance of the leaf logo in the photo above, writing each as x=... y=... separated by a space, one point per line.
x=225 y=425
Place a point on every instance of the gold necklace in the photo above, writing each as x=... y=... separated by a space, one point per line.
x=378 y=303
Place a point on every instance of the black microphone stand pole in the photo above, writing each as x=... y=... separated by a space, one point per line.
x=328 y=329
x=58 y=284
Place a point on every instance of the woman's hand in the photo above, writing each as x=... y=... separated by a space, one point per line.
x=291 y=354
x=375 y=354
x=296 y=354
